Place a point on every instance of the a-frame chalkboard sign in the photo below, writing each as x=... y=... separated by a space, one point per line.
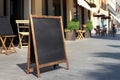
x=46 y=42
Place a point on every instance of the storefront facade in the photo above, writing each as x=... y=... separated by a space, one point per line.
x=100 y=9
x=64 y=8
x=68 y=9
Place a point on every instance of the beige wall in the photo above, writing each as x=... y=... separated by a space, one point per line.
x=1 y=7
x=95 y=10
x=36 y=7
x=70 y=10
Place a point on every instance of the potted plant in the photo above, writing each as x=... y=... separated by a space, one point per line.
x=70 y=31
x=88 y=28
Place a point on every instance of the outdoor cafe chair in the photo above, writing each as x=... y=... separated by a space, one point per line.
x=23 y=31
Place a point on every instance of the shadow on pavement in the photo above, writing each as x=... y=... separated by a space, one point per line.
x=108 y=70
x=115 y=46
x=23 y=66
x=108 y=55
x=108 y=37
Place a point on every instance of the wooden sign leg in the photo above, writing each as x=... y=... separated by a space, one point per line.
x=28 y=65
x=28 y=59
x=38 y=71
x=29 y=69
x=67 y=65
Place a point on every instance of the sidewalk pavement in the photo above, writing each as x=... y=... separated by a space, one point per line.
x=96 y=58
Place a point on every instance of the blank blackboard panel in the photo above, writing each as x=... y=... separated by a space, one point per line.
x=5 y=26
x=49 y=40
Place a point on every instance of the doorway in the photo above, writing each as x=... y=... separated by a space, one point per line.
x=55 y=8
x=15 y=10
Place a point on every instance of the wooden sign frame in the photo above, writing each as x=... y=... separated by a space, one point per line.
x=32 y=44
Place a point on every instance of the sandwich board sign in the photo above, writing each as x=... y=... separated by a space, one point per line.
x=46 y=42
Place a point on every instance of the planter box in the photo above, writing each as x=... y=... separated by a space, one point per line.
x=70 y=35
x=87 y=34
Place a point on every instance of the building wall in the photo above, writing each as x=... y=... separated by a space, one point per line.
x=102 y=11
x=27 y=8
x=95 y=10
x=86 y=16
x=36 y=7
x=70 y=10
x=112 y=10
x=112 y=3
x=1 y=8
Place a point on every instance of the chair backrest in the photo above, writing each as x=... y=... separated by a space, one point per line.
x=22 y=21
x=5 y=26
x=22 y=24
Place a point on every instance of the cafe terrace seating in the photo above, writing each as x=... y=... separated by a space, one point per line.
x=23 y=31
x=6 y=36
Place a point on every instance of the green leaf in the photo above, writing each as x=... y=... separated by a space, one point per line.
x=89 y=25
x=73 y=25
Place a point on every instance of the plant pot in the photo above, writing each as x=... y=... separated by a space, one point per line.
x=87 y=34
x=70 y=35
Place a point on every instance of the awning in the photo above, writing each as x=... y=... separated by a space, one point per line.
x=84 y=4
x=115 y=18
x=98 y=15
x=106 y=17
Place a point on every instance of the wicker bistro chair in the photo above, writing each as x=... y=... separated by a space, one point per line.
x=6 y=35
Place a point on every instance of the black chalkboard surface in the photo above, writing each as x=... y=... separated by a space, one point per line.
x=46 y=44
x=5 y=26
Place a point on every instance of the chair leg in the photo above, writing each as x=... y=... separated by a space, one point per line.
x=20 y=41
x=3 y=45
x=12 y=45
